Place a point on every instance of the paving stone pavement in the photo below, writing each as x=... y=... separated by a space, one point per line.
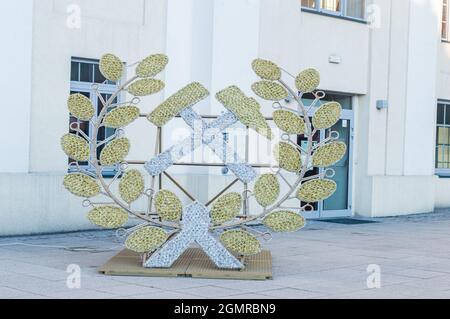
x=324 y=260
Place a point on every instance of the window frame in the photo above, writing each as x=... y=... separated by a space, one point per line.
x=338 y=14
x=106 y=87
x=442 y=172
x=445 y=8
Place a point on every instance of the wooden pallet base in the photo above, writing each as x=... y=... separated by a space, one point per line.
x=193 y=263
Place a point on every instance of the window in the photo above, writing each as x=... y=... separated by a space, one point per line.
x=339 y=201
x=88 y=71
x=84 y=73
x=444 y=30
x=331 y=5
x=443 y=139
x=343 y=99
x=346 y=8
x=309 y=4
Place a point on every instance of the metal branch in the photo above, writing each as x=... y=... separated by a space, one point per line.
x=116 y=176
x=100 y=98
x=153 y=178
x=221 y=192
x=98 y=168
x=79 y=131
x=192 y=198
x=302 y=173
x=284 y=179
x=107 y=140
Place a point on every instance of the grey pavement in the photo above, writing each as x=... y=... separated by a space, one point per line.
x=324 y=260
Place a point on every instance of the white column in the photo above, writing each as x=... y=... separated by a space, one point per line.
x=189 y=43
x=281 y=38
x=235 y=44
x=396 y=151
x=16 y=25
x=424 y=37
x=189 y=47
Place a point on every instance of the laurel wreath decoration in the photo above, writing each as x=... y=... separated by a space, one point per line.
x=222 y=230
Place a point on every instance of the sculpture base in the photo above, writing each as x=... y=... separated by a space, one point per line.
x=193 y=263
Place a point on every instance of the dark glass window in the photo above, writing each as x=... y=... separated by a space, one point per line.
x=344 y=100
x=346 y=8
x=74 y=71
x=86 y=71
x=444 y=25
x=83 y=125
x=443 y=136
x=309 y=3
x=98 y=76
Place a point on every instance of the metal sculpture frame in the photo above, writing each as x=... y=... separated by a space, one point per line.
x=196 y=226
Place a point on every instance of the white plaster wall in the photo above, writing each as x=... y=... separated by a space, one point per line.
x=370 y=133
x=297 y=40
x=280 y=40
x=236 y=27
x=396 y=145
x=420 y=114
x=235 y=45
x=403 y=54
x=362 y=194
x=442 y=185
x=381 y=196
x=16 y=27
x=321 y=37
x=212 y=42
x=190 y=30
x=397 y=85
x=374 y=122
x=443 y=74
x=37 y=202
x=443 y=70
x=133 y=30
x=393 y=196
x=442 y=192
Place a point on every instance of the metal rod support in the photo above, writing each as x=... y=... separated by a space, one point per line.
x=221 y=192
x=179 y=186
x=140 y=162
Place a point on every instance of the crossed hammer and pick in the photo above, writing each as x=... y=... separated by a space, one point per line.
x=196 y=218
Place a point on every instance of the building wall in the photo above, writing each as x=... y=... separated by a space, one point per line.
x=443 y=92
x=190 y=26
x=130 y=30
x=298 y=40
x=385 y=62
x=34 y=200
x=442 y=191
x=443 y=74
x=401 y=61
x=398 y=144
x=16 y=28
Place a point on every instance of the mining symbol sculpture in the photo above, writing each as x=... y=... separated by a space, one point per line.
x=222 y=231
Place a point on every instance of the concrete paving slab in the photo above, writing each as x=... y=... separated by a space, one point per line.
x=323 y=260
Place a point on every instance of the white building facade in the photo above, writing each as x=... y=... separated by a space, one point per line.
x=386 y=61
